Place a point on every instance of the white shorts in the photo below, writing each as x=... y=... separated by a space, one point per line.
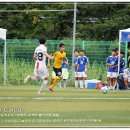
x=42 y=73
x=81 y=74
x=112 y=74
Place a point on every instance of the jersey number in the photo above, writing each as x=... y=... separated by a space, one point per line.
x=40 y=56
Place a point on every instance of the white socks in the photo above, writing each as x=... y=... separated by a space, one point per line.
x=59 y=84
x=81 y=83
x=65 y=83
x=44 y=83
x=76 y=83
x=85 y=83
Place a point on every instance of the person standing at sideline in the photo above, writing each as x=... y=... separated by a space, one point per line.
x=112 y=63
x=76 y=55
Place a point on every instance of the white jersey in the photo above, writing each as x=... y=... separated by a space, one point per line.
x=40 y=57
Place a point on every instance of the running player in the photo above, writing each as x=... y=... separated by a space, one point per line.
x=82 y=68
x=40 y=70
x=59 y=57
x=76 y=55
x=112 y=63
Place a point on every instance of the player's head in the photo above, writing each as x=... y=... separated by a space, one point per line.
x=42 y=40
x=116 y=49
x=113 y=52
x=76 y=53
x=81 y=52
x=62 y=47
x=122 y=54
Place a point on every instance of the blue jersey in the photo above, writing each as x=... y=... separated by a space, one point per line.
x=114 y=61
x=82 y=62
x=75 y=62
x=65 y=65
x=122 y=65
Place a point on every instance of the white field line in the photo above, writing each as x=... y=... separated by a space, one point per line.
x=61 y=98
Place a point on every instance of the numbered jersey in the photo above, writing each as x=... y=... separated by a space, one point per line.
x=82 y=61
x=40 y=57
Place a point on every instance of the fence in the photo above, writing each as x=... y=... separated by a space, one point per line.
x=20 y=57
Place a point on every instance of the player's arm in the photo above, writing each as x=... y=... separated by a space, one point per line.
x=65 y=61
x=64 y=58
x=77 y=68
x=107 y=61
x=35 y=57
x=47 y=55
x=77 y=64
x=49 y=60
x=86 y=65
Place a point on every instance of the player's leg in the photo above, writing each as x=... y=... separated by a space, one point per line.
x=55 y=82
x=65 y=82
x=60 y=83
x=56 y=78
x=125 y=76
x=65 y=75
x=43 y=85
x=109 y=79
x=113 y=83
x=44 y=75
x=80 y=79
x=76 y=80
x=36 y=76
x=126 y=82
x=85 y=79
x=114 y=80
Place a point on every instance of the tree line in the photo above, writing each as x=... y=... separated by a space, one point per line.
x=97 y=21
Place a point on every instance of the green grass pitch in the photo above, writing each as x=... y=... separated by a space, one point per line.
x=64 y=107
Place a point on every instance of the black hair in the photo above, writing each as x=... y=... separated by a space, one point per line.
x=116 y=49
x=61 y=45
x=122 y=52
x=76 y=51
x=42 y=40
x=82 y=50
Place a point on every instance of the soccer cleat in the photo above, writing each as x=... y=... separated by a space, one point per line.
x=26 y=79
x=50 y=89
x=41 y=93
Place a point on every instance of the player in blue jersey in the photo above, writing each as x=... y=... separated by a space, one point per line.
x=65 y=73
x=112 y=62
x=122 y=62
x=76 y=55
x=82 y=68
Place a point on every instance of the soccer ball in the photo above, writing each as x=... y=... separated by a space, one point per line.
x=104 y=89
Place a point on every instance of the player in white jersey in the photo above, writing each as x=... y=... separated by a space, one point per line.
x=40 y=70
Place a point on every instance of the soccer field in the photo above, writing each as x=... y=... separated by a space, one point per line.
x=64 y=107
